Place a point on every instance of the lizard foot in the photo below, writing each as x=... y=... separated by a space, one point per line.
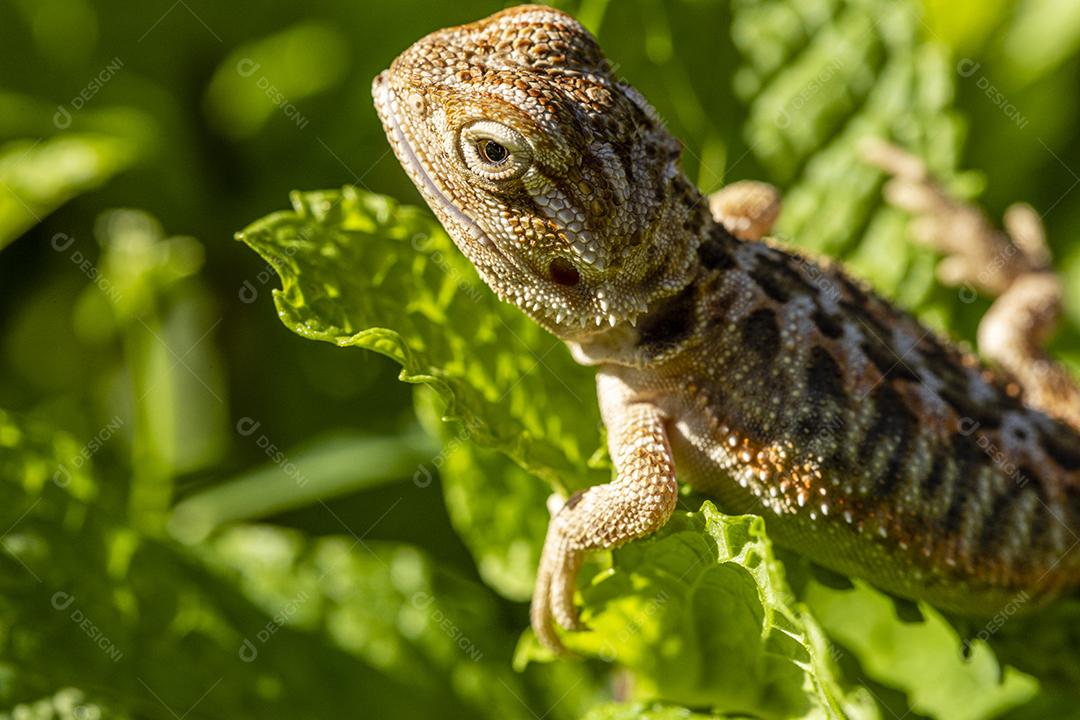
x=747 y=208
x=1011 y=265
x=636 y=503
x=553 y=597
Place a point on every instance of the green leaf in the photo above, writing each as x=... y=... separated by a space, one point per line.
x=164 y=316
x=358 y=270
x=259 y=79
x=500 y=511
x=377 y=625
x=36 y=177
x=68 y=703
x=701 y=613
x=833 y=76
x=320 y=471
x=702 y=616
x=643 y=711
x=386 y=604
x=924 y=659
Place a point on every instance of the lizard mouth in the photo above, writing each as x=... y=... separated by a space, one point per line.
x=398 y=131
x=406 y=152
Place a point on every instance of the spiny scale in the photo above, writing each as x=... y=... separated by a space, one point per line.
x=829 y=405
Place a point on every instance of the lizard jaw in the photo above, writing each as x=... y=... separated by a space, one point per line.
x=405 y=150
x=560 y=320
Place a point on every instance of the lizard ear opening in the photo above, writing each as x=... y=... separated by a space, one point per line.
x=563 y=272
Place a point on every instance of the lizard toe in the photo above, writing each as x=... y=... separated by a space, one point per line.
x=541 y=618
x=553 y=596
x=562 y=593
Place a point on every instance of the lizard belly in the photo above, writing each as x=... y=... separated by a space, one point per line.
x=903 y=569
x=958 y=519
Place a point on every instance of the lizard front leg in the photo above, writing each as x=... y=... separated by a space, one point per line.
x=636 y=503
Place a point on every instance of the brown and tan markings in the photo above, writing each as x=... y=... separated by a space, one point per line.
x=767 y=378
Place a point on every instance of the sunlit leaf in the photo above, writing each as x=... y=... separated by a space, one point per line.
x=377 y=625
x=702 y=615
x=271 y=75
x=925 y=659
x=358 y=270
x=37 y=176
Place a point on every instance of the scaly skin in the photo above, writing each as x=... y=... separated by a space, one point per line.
x=772 y=381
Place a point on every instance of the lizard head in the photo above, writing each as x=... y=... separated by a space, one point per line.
x=556 y=180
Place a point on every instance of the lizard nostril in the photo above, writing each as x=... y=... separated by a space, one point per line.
x=417 y=102
x=563 y=272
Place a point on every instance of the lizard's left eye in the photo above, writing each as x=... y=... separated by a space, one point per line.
x=494 y=151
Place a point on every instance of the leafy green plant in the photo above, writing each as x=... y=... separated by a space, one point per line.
x=701 y=614
x=204 y=516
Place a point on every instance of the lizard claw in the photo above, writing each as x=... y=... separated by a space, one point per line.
x=553 y=598
x=540 y=615
x=563 y=582
x=636 y=503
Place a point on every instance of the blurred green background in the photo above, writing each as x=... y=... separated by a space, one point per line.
x=141 y=358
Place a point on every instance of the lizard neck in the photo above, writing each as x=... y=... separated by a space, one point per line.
x=702 y=248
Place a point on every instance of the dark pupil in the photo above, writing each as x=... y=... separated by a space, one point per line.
x=494 y=152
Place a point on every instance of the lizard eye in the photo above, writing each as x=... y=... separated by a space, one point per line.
x=494 y=151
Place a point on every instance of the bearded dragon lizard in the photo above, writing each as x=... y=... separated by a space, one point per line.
x=769 y=380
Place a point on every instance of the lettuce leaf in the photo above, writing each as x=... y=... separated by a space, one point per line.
x=907 y=655
x=702 y=615
x=359 y=270
x=728 y=633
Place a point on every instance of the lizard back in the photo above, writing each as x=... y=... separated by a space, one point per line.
x=869 y=443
